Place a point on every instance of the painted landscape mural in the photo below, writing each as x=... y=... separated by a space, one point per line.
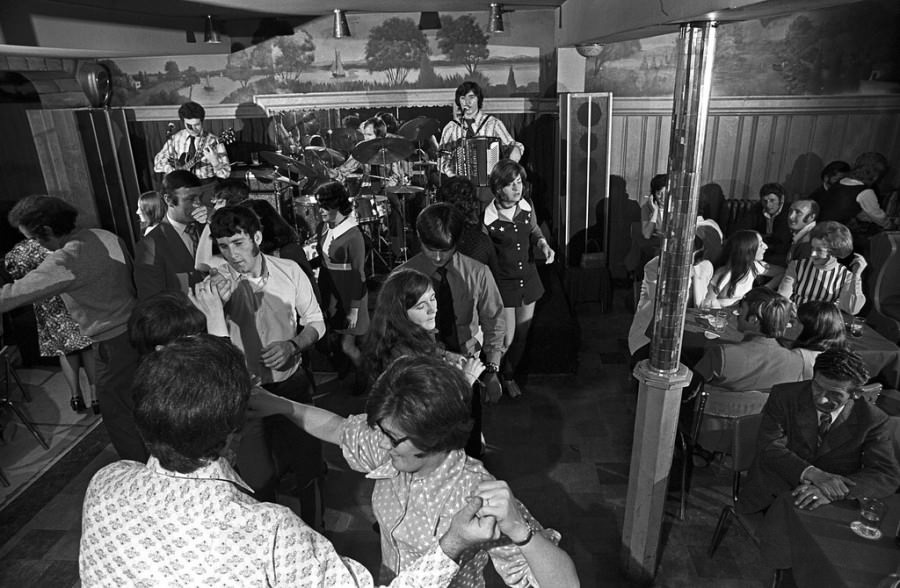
x=846 y=49
x=386 y=51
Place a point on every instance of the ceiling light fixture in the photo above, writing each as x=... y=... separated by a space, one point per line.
x=495 y=20
x=210 y=34
x=341 y=27
x=429 y=21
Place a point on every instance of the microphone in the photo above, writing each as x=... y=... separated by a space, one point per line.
x=170 y=128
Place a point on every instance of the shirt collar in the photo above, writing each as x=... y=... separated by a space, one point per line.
x=453 y=463
x=777 y=212
x=491 y=214
x=215 y=470
x=236 y=275
x=835 y=413
x=802 y=232
x=344 y=226
x=180 y=227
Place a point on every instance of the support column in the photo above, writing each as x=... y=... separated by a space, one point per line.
x=662 y=377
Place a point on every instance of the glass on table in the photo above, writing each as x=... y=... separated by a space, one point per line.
x=718 y=320
x=871 y=513
x=854 y=326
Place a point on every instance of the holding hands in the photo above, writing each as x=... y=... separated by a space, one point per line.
x=497 y=501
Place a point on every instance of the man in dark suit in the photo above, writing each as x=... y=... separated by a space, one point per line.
x=821 y=444
x=772 y=222
x=164 y=258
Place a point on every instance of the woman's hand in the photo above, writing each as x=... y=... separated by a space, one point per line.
x=223 y=284
x=497 y=501
x=206 y=298
x=472 y=368
x=546 y=250
x=263 y=403
x=352 y=318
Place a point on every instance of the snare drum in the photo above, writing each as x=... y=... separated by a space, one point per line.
x=306 y=215
x=366 y=209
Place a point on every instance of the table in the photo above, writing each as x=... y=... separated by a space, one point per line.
x=825 y=552
x=881 y=356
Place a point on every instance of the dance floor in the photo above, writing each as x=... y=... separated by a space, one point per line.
x=564 y=448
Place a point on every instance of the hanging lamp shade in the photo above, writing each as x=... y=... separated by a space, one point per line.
x=341 y=27
x=429 y=21
x=210 y=34
x=495 y=20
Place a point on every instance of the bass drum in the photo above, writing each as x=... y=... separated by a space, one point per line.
x=306 y=216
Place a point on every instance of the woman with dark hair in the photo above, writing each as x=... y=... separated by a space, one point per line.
x=511 y=223
x=410 y=441
x=823 y=328
x=744 y=263
x=342 y=277
x=460 y=192
x=151 y=210
x=404 y=324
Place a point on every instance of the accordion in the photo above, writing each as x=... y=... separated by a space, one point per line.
x=475 y=158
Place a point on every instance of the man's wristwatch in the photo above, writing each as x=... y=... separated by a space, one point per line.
x=524 y=541
x=491 y=368
x=295 y=345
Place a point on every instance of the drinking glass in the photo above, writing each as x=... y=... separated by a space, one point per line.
x=856 y=327
x=718 y=320
x=871 y=512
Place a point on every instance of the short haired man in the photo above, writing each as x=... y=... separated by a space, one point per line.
x=818 y=442
x=652 y=209
x=164 y=257
x=759 y=361
x=821 y=276
x=90 y=269
x=772 y=222
x=272 y=316
x=831 y=175
x=468 y=299
x=230 y=192
x=192 y=149
x=801 y=220
x=186 y=515
x=162 y=318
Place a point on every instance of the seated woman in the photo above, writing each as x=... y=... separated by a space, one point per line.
x=823 y=276
x=701 y=272
x=744 y=263
x=410 y=442
x=823 y=328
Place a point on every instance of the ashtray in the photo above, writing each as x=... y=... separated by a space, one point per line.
x=711 y=335
x=865 y=532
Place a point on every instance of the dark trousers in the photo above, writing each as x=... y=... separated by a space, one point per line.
x=273 y=446
x=473 y=445
x=117 y=361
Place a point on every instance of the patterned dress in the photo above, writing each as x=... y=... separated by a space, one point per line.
x=58 y=333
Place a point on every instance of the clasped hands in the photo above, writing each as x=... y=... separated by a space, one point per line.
x=819 y=488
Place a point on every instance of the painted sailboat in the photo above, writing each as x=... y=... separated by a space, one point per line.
x=337 y=68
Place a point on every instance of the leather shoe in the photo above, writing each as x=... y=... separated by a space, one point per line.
x=77 y=403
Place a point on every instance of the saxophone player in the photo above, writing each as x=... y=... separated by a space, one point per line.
x=192 y=148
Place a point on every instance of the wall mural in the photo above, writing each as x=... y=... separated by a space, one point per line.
x=386 y=51
x=846 y=49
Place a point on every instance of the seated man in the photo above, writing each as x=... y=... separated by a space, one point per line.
x=759 y=361
x=186 y=518
x=801 y=220
x=822 y=276
x=772 y=222
x=818 y=442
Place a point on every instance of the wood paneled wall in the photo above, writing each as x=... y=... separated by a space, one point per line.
x=751 y=141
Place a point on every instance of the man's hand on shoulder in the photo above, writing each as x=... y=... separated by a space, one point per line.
x=468 y=530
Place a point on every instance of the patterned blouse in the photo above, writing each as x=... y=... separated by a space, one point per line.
x=414 y=512
x=144 y=525
x=484 y=125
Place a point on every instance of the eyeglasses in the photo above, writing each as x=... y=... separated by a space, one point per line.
x=394 y=441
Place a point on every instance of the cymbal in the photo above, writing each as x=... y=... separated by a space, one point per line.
x=419 y=129
x=271 y=175
x=383 y=151
x=345 y=139
x=404 y=190
x=329 y=157
x=292 y=165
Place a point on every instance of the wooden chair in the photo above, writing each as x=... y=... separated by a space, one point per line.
x=744 y=433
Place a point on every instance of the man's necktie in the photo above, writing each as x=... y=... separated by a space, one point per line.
x=192 y=230
x=824 y=425
x=446 y=318
x=192 y=149
x=470 y=129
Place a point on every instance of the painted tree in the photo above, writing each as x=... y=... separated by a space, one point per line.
x=395 y=47
x=238 y=68
x=189 y=77
x=172 y=71
x=297 y=53
x=462 y=41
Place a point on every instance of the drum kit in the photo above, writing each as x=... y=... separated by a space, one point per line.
x=298 y=174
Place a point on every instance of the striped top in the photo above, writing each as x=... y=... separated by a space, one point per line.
x=803 y=282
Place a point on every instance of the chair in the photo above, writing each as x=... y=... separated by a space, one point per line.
x=884 y=284
x=744 y=434
x=10 y=375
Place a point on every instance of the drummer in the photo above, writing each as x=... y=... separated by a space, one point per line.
x=373 y=128
x=470 y=121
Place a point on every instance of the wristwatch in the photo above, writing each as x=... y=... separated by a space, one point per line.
x=524 y=541
x=491 y=368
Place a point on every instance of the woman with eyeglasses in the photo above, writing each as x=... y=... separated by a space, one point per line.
x=410 y=442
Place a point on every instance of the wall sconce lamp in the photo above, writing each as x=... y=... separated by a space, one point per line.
x=210 y=34
x=495 y=20
x=341 y=27
x=429 y=21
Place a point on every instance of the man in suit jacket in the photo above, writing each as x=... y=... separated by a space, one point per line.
x=822 y=445
x=772 y=222
x=164 y=258
x=801 y=220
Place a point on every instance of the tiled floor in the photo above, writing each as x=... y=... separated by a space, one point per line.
x=564 y=447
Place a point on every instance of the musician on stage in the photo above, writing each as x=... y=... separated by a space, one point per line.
x=373 y=128
x=193 y=148
x=470 y=121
